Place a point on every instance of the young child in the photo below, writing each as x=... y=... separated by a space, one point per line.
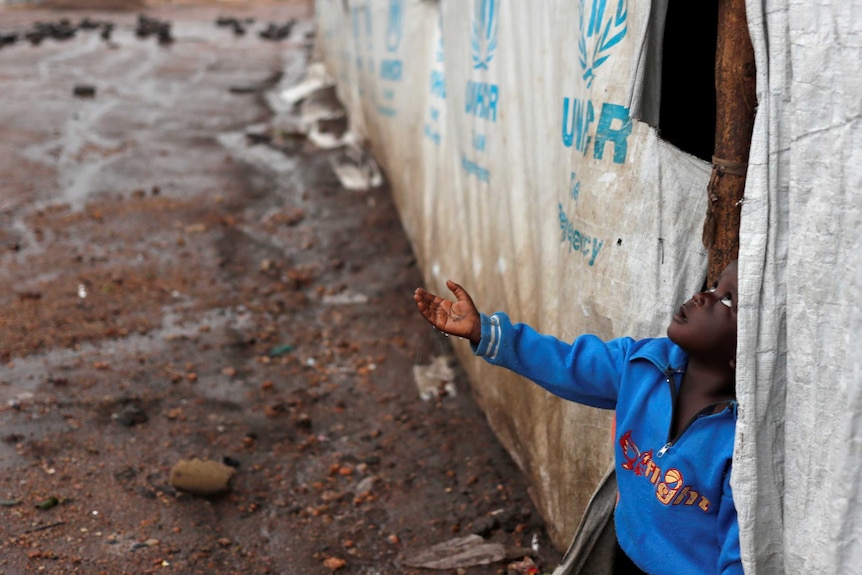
x=675 y=403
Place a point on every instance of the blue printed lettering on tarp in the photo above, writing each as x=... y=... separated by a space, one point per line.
x=391 y=70
x=438 y=84
x=362 y=26
x=478 y=142
x=574 y=187
x=600 y=30
x=577 y=117
x=395 y=25
x=391 y=67
x=577 y=241
x=474 y=169
x=483 y=39
x=614 y=127
x=589 y=126
x=482 y=98
x=437 y=89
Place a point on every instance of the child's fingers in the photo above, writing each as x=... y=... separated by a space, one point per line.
x=459 y=292
x=420 y=296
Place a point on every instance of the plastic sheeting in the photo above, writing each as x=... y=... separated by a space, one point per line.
x=797 y=474
x=506 y=130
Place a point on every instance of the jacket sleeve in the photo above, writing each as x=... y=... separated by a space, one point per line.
x=730 y=558
x=585 y=371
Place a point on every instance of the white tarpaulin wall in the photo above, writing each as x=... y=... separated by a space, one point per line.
x=800 y=372
x=505 y=129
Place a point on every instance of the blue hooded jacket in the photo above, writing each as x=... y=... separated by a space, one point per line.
x=675 y=513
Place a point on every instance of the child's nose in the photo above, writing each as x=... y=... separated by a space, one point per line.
x=698 y=299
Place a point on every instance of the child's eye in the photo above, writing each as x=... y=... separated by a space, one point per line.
x=712 y=289
x=727 y=300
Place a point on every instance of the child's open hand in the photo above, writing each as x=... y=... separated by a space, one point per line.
x=459 y=318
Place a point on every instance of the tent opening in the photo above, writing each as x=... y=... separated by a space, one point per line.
x=687 y=114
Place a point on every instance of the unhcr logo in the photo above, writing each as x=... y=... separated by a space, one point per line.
x=395 y=27
x=392 y=68
x=600 y=31
x=481 y=98
x=483 y=40
x=601 y=28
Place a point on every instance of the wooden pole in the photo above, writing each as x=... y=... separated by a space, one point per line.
x=736 y=100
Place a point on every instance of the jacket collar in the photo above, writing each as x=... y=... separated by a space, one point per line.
x=662 y=353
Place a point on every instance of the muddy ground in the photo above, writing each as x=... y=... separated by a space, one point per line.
x=175 y=286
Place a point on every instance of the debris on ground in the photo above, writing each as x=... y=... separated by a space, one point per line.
x=526 y=566
x=278 y=31
x=436 y=379
x=84 y=91
x=48 y=503
x=148 y=26
x=356 y=169
x=347 y=297
x=315 y=79
x=237 y=25
x=460 y=552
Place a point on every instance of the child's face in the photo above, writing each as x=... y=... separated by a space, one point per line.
x=705 y=325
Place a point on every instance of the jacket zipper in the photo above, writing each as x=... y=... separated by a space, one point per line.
x=669 y=373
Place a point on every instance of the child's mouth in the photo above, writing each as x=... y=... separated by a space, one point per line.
x=680 y=314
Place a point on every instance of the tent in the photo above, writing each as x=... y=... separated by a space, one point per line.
x=554 y=158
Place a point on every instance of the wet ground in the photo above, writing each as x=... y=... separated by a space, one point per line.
x=175 y=286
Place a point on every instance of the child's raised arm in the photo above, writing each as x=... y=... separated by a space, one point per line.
x=459 y=318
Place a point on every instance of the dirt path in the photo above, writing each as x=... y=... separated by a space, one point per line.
x=169 y=289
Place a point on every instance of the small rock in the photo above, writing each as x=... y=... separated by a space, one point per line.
x=334 y=563
x=366 y=484
x=201 y=477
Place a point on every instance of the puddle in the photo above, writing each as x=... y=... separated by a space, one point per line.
x=24 y=377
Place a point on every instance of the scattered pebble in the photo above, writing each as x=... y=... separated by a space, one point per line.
x=201 y=477
x=334 y=563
